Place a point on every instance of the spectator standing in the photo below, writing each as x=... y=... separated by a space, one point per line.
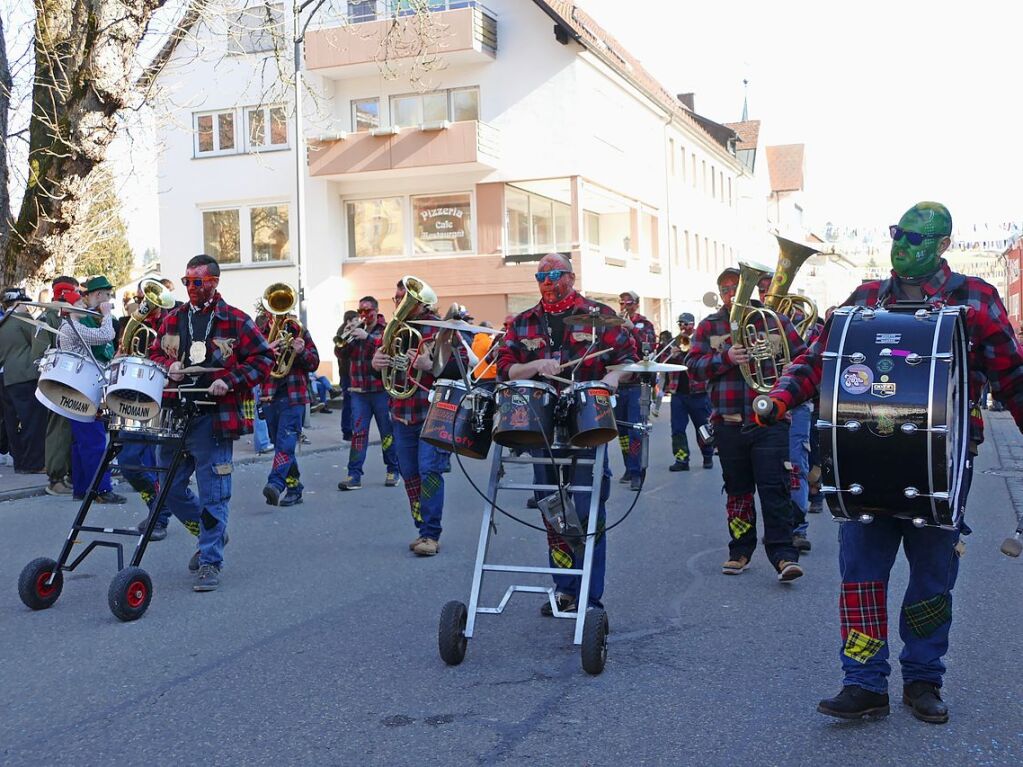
x=24 y=416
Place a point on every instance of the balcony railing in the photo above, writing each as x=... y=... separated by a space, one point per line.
x=378 y=10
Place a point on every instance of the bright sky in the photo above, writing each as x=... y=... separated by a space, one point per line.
x=896 y=101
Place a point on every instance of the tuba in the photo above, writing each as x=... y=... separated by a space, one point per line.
x=765 y=364
x=802 y=311
x=278 y=300
x=136 y=337
x=400 y=338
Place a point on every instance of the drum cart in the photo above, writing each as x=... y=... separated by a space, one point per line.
x=458 y=622
x=131 y=590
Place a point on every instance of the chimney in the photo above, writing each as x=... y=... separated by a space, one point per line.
x=689 y=100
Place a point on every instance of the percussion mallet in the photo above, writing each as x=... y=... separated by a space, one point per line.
x=1013 y=545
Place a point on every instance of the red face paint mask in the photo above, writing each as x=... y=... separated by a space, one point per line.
x=200 y=285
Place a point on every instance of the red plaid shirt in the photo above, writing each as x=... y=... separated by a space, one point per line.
x=233 y=343
x=682 y=383
x=527 y=341
x=413 y=410
x=709 y=364
x=360 y=352
x=994 y=355
x=296 y=382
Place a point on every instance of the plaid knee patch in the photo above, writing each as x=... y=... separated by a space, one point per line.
x=623 y=442
x=281 y=459
x=795 y=476
x=861 y=647
x=738 y=527
x=924 y=618
x=431 y=484
x=359 y=441
x=192 y=527
x=862 y=607
x=412 y=489
x=739 y=510
x=561 y=552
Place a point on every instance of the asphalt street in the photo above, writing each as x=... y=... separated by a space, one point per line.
x=320 y=647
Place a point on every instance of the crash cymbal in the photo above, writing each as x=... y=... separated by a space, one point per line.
x=455 y=325
x=62 y=306
x=597 y=320
x=646 y=366
x=38 y=323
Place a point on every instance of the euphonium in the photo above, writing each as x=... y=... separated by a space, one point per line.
x=400 y=338
x=136 y=337
x=278 y=300
x=801 y=310
x=765 y=363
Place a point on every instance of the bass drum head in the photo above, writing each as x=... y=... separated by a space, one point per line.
x=66 y=401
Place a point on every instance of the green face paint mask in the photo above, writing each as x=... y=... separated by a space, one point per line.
x=928 y=223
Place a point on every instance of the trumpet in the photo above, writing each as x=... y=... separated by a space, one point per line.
x=278 y=300
x=347 y=335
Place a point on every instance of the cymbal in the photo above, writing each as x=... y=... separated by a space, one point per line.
x=597 y=320
x=62 y=306
x=646 y=366
x=456 y=325
x=38 y=323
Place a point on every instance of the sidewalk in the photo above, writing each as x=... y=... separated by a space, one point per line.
x=324 y=435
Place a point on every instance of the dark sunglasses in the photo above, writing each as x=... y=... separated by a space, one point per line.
x=365 y=312
x=913 y=238
x=197 y=282
x=554 y=274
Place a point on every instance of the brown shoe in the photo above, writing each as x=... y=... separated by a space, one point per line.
x=427 y=547
x=735 y=565
x=789 y=571
x=412 y=546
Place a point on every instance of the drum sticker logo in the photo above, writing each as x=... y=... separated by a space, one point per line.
x=856 y=379
x=582 y=337
x=884 y=421
x=887 y=339
x=883 y=390
x=885 y=365
x=519 y=418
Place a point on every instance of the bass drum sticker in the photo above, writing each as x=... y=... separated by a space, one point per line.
x=856 y=379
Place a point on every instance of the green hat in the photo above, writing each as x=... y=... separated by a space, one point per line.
x=97 y=283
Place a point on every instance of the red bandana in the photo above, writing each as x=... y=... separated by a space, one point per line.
x=559 y=306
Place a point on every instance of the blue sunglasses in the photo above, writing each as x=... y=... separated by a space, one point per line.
x=913 y=238
x=554 y=274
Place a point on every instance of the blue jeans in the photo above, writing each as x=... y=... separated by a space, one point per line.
x=260 y=434
x=421 y=464
x=210 y=460
x=686 y=407
x=559 y=550
x=145 y=483
x=284 y=421
x=627 y=409
x=365 y=408
x=321 y=385
x=88 y=444
x=866 y=555
x=799 y=457
x=346 y=406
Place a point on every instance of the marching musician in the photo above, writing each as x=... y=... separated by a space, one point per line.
x=628 y=407
x=689 y=401
x=208 y=332
x=284 y=399
x=421 y=464
x=751 y=459
x=868 y=551
x=369 y=400
x=89 y=439
x=58 y=427
x=537 y=344
x=344 y=367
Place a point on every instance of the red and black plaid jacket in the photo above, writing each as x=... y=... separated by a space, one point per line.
x=360 y=352
x=994 y=355
x=681 y=383
x=527 y=341
x=296 y=382
x=233 y=343
x=413 y=410
x=709 y=364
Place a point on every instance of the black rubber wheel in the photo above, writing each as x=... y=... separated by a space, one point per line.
x=594 y=650
x=32 y=586
x=451 y=634
x=130 y=593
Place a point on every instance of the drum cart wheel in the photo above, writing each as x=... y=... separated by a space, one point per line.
x=130 y=593
x=451 y=634
x=32 y=583
x=594 y=649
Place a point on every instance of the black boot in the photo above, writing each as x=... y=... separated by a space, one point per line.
x=854 y=702
x=925 y=700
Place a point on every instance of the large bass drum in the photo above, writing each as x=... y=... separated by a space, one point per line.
x=894 y=414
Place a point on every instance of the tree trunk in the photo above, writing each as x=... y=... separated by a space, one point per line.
x=5 y=105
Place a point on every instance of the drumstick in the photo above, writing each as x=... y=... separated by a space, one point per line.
x=197 y=369
x=559 y=379
x=564 y=365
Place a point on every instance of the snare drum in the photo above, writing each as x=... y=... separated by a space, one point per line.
x=894 y=428
x=591 y=416
x=170 y=424
x=460 y=420
x=525 y=414
x=70 y=385
x=135 y=388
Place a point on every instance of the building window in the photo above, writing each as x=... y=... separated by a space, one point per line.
x=689 y=261
x=362 y=10
x=671 y=156
x=443 y=224
x=591 y=223
x=414 y=109
x=257 y=29
x=682 y=163
x=699 y=263
x=269 y=233
x=214 y=133
x=692 y=175
x=713 y=183
x=536 y=224
x=673 y=245
x=365 y=114
x=729 y=191
x=221 y=235
x=267 y=127
x=375 y=227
